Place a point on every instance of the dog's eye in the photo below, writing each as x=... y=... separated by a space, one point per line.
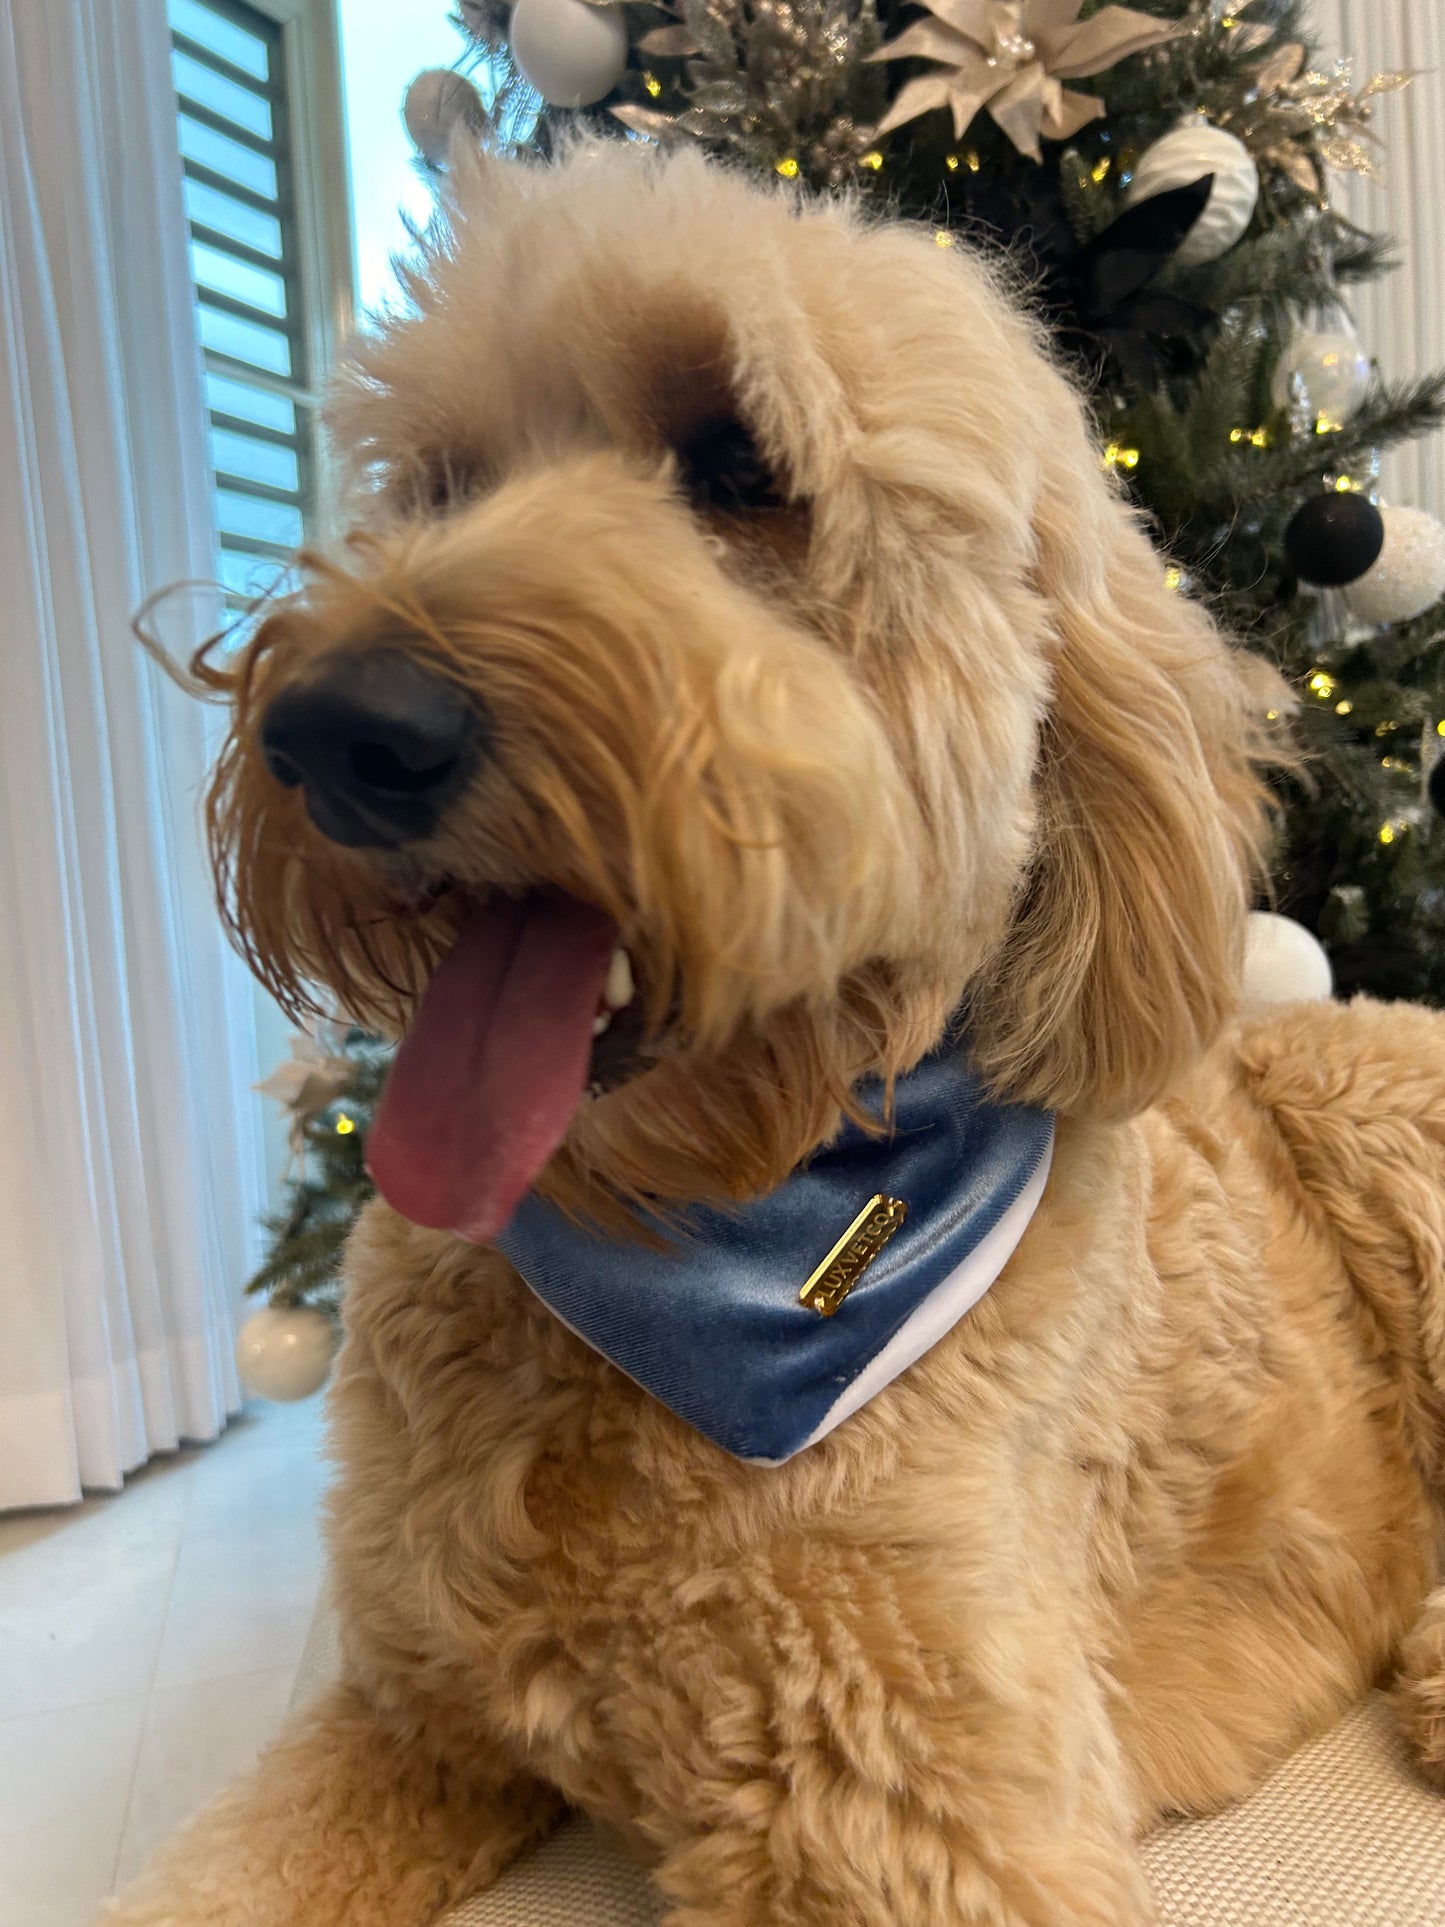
x=721 y=467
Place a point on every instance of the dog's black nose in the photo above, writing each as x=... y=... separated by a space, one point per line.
x=378 y=743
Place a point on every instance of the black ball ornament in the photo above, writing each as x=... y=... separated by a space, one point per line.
x=1334 y=539
x=1437 y=787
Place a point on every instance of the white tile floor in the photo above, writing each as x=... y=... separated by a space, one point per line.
x=148 y=1645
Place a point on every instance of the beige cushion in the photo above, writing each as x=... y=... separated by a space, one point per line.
x=574 y=1879
x=1343 y=1835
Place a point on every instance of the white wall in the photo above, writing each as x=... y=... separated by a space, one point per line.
x=1401 y=319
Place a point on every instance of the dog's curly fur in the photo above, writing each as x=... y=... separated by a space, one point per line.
x=931 y=735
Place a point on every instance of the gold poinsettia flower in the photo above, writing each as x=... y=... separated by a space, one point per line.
x=313 y=1076
x=1309 y=120
x=1012 y=57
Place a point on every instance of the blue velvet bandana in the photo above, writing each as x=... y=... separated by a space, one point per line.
x=765 y=1326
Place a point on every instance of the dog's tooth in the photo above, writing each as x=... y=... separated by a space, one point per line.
x=620 y=984
x=600 y=1022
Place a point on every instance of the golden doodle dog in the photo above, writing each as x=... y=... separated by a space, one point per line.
x=742 y=697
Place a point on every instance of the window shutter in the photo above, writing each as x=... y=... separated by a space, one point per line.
x=236 y=139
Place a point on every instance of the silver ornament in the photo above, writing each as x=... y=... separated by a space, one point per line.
x=1328 y=372
x=1409 y=576
x=1186 y=155
x=436 y=103
x=572 y=53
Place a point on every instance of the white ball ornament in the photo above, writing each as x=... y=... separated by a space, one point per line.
x=1333 y=369
x=571 y=52
x=284 y=1352
x=1409 y=576
x=1283 y=963
x=1186 y=155
x=436 y=103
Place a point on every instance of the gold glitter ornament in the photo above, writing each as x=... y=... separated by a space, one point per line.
x=1012 y=57
x=778 y=82
x=1301 y=121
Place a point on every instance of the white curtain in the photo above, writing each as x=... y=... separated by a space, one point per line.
x=1401 y=319
x=131 y=1169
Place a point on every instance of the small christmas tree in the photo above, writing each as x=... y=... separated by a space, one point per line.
x=329 y=1089
x=1161 y=176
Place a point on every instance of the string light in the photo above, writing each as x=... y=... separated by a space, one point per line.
x=1387 y=832
x=942 y=238
x=1173 y=576
x=1256 y=437
x=950 y=161
x=1343 y=709
x=788 y=168
x=652 y=84
x=1101 y=172
x=1271 y=715
x=1440 y=729
x=345 y=1125
x=974 y=163
x=872 y=159
x=1385 y=729
x=1117 y=456
x=1322 y=685
x=1343 y=485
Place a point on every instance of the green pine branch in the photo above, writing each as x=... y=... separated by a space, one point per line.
x=306 y=1237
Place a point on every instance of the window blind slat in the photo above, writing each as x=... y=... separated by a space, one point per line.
x=233 y=119
x=237 y=104
x=228 y=244
x=245 y=46
x=226 y=157
x=225 y=424
x=206 y=56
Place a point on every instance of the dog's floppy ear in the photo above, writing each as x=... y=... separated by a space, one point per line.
x=1122 y=960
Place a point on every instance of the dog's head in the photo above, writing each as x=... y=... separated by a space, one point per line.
x=735 y=584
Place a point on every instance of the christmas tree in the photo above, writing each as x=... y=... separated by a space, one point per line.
x=1160 y=176
x=328 y=1087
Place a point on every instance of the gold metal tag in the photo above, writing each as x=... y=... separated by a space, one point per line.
x=859 y=1245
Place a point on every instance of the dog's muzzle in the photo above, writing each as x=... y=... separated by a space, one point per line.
x=378 y=744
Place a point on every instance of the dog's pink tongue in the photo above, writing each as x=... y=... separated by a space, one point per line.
x=488 y=1077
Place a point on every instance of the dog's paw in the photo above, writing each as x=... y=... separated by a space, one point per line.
x=1422 y=1690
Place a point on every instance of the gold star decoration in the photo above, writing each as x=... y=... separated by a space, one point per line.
x=1012 y=57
